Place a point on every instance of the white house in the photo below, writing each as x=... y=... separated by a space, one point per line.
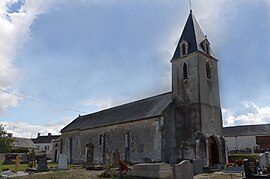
x=247 y=137
x=44 y=143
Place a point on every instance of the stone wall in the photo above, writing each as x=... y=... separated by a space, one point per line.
x=138 y=141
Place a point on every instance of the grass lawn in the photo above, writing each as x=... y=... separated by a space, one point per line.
x=22 y=167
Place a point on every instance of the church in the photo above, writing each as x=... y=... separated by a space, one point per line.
x=184 y=124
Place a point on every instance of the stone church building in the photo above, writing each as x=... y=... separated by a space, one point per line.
x=183 y=124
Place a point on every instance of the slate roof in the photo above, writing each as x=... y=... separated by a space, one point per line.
x=23 y=143
x=45 y=139
x=193 y=34
x=247 y=130
x=142 y=109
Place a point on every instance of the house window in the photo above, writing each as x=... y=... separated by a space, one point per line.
x=185 y=71
x=208 y=70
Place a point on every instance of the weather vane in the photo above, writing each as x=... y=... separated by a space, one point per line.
x=190 y=7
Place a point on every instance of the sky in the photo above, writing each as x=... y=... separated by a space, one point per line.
x=62 y=58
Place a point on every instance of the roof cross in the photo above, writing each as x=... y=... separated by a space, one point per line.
x=190 y=6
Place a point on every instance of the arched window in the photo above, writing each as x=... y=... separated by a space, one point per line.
x=183 y=49
x=207 y=48
x=208 y=70
x=185 y=71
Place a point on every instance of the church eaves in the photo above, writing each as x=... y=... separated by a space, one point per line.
x=193 y=35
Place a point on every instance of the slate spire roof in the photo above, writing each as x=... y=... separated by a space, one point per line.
x=193 y=35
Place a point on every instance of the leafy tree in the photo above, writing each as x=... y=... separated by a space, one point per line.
x=5 y=141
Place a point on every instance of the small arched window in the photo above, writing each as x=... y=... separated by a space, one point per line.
x=183 y=49
x=185 y=71
x=207 y=48
x=208 y=70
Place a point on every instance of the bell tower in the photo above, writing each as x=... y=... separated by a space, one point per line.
x=195 y=90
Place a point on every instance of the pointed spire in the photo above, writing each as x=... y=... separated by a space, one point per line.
x=193 y=36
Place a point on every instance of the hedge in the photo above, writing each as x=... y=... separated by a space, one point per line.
x=234 y=157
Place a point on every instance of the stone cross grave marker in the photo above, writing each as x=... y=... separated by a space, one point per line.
x=62 y=161
x=17 y=162
x=183 y=170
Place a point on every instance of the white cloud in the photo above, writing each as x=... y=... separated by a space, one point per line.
x=14 y=31
x=246 y=113
x=23 y=129
x=100 y=104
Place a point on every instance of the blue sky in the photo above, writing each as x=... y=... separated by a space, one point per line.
x=91 y=55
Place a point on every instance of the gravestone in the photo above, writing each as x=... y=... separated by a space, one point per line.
x=267 y=158
x=42 y=165
x=250 y=167
x=262 y=161
x=183 y=170
x=62 y=163
x=150 y=170
x=197 y=166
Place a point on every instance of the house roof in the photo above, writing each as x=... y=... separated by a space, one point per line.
x=45 y=139
x=193 y=35
x=247 y=130
x=23 y=143
x=142 y=109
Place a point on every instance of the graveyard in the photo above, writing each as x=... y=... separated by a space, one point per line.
x=251 y=166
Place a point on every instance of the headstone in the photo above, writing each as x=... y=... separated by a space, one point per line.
x=42 y=165
x=62 y=163
x=262 y=161
x=183 y=170
x=151 y=170
x=250 y=167
x=267 y=158
x=197 y=166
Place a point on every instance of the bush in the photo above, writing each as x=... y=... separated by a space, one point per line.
x=5 y=169
x=31 y=164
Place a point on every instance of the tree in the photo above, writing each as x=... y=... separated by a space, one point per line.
x=5 y=141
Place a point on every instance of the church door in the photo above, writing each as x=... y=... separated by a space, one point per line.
x=213 y=151
x=90 y=153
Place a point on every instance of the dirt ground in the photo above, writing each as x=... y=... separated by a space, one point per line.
x=83 y=174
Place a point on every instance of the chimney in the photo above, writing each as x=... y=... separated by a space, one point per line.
x=38 y=134
x=49 y=134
